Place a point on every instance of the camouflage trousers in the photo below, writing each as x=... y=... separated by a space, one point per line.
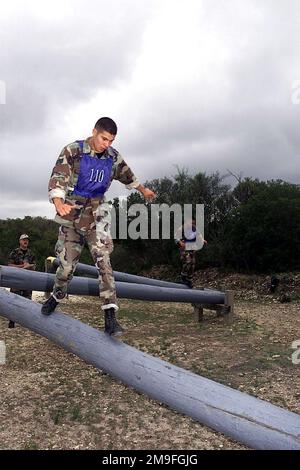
x=68 y=249
x=188 y=260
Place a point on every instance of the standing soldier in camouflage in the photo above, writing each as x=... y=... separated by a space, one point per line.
x=80 y=178
x=23 y=258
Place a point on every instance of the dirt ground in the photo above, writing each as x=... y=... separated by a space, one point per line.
x=51 y=399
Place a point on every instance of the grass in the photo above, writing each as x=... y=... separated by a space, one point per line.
x=31 y=445
x=57 y=416
x=76 y=414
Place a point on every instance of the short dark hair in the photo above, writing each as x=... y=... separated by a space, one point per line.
x=106 y=124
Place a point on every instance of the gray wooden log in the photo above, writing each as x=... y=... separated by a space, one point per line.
x=92 y=271
x=123 y=277
x=256 y=423
x=34 y=280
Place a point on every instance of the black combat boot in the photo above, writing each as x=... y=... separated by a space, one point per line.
x=112 y=327
x=186 y=281
x=49 y=306
x=183 y=279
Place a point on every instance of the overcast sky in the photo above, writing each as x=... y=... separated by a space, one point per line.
x=208 y=85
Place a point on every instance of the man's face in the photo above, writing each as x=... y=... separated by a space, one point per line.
x=24 y=243
x=102 y=140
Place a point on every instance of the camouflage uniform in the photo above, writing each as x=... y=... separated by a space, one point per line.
x=188 y=260
x=193 y=243
x=18 y=257
x=88 y=222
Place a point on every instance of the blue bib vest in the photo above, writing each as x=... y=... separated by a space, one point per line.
x=94 y=175
x=190 y=236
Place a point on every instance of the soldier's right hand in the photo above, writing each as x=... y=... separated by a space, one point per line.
x=65 y=209
x=62 y=208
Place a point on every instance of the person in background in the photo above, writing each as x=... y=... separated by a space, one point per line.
x=22 y=258
x=189 y=240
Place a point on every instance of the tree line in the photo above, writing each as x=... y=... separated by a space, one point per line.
x=251 y=227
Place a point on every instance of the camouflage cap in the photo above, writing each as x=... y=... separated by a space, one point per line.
x=22 y=237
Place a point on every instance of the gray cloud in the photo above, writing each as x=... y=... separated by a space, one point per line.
x=218 y=99
x=243 y=119
x=49 y=66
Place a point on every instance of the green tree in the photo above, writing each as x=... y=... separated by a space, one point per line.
x=262 y=233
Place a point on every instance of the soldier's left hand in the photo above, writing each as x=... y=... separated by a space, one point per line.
x=149 y=194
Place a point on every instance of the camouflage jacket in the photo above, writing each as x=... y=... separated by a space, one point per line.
x=19 y=256
x=64 y=178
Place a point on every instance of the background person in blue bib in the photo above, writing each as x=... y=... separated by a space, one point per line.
x=82 y=175
x=189 y=240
